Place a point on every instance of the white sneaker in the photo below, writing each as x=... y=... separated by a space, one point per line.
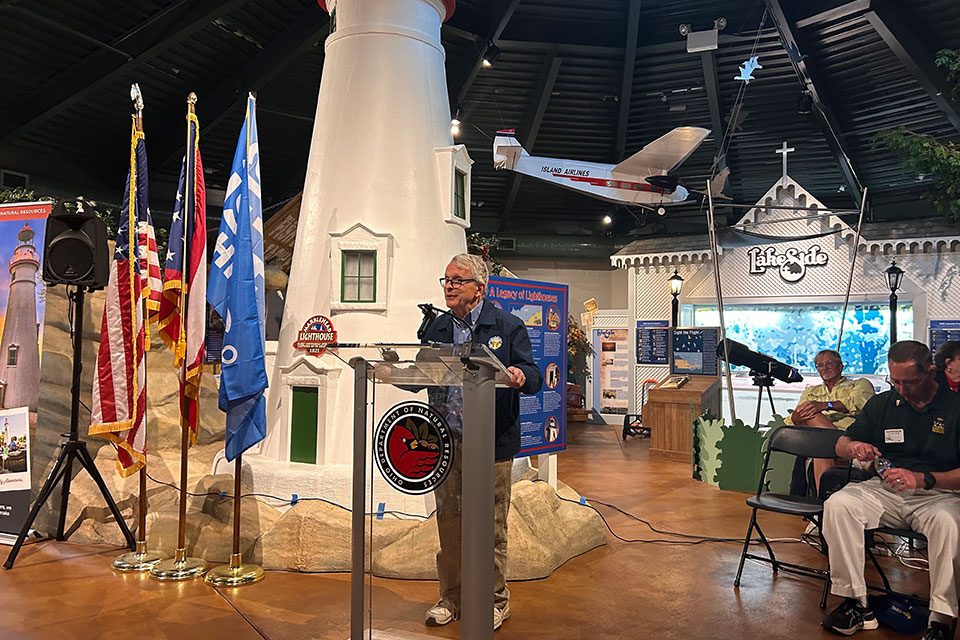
x=440 y=614
x=499 y=615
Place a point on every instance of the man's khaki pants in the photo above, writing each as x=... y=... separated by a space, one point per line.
x=867 y=505
x=448 y=497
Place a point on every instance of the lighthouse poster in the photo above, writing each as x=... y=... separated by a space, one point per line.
x=22 y=293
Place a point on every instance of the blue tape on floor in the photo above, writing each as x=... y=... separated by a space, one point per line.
x=380 y=509
x=294 y=499
x=583 y=500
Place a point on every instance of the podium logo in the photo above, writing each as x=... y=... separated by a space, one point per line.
x=413 y=447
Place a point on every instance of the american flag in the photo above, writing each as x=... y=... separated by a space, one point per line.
x=187 y=254
x=120 y=385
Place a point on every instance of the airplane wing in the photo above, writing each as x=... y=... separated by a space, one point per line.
x=663 y=154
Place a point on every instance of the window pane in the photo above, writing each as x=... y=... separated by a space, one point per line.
x=459 y=189
x=350 y=290
x=368 y=262
x=795 y=333
x=351 y=261
x=367 y=290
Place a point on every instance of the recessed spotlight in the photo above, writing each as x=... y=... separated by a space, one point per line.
x=607 y=219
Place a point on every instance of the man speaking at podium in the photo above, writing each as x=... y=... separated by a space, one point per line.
x=464 y=286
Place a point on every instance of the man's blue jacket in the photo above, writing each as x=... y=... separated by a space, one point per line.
x=507 y=338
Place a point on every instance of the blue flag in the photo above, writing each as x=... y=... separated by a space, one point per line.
x=236 y=291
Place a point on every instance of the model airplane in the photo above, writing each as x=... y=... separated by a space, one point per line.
x=641 y=179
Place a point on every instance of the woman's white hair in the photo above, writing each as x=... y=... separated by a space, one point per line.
x=478 y=268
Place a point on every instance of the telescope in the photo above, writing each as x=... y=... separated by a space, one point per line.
x=738 y=353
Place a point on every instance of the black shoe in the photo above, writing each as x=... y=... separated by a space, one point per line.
x=938 y=631
x=850 y=617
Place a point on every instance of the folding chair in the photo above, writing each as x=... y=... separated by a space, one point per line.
x=810 y=442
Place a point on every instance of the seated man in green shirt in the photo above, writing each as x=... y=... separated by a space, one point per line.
x=831 y=405
x=916 y=426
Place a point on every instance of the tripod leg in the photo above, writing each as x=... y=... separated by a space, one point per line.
x=773 y=408
x=87 y=461
x=759 y=402
x=55 y=474
x=65 y=494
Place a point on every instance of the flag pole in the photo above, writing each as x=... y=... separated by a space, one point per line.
x=236 y=573
x=181 y=567
x=141 y=559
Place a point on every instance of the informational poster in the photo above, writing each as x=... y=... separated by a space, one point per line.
x=653 y=342
x=942 y=331
x=14 y=469
x=542 y=307
x=695 y=351
x=611 y=387
x=22 y=302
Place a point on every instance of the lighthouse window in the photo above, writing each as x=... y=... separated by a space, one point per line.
x=459 y=197
x=358 y=281
x=12 y=355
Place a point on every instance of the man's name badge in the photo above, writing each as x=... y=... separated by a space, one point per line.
x=938 y=426
x=892 y=436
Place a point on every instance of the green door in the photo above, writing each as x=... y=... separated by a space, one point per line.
x=303 y=425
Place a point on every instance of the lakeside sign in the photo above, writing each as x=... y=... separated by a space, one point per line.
x=791 y=263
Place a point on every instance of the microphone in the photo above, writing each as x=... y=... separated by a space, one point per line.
x=429 y=315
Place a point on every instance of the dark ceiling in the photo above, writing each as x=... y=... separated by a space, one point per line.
x=587 y=80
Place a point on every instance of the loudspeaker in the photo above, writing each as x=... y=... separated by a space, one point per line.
x=75 y=249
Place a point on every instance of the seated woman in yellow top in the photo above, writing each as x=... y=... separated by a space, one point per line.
x=831 y=405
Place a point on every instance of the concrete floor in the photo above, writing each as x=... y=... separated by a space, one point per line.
x=622 y=590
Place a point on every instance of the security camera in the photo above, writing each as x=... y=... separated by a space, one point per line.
x=684 y=29
x=720 y=23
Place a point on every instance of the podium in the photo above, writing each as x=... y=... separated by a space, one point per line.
x=668 y=415
x=405 y=370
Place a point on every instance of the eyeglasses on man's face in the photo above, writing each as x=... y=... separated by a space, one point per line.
x=455 y=283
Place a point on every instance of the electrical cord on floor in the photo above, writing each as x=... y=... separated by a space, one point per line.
x=689 y=539
x=292 y=500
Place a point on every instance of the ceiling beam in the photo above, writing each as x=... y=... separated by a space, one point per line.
x=103 y=67
x=306 y=31
x=837 y=13
x=626 y=82
x=812 y=82
x=709 y=64
x=471 y=67
x=678 y=46
x=531 y=126
x=889 y=24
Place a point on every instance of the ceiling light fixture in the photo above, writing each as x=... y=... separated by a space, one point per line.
x=491 y=55
x=607 y=219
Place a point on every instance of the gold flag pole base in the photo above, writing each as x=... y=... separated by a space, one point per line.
x=235 y=574
x=139 y=560
x=180 y=567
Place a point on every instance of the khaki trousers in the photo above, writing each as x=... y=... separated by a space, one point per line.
x=866 y=505
x=448 y=499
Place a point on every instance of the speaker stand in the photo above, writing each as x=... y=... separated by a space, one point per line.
x=71 y=449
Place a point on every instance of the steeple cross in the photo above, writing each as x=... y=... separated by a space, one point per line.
x=784 y=150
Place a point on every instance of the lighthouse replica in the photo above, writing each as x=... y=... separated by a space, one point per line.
x=19 y=349
x=384 y=208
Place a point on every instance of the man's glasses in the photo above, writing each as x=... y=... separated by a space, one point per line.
x=455 y=283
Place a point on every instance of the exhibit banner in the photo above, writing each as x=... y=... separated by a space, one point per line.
x=611 y=353
x=942 y=331
x=542 y=306
x=653 y=341
x=14 y=469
